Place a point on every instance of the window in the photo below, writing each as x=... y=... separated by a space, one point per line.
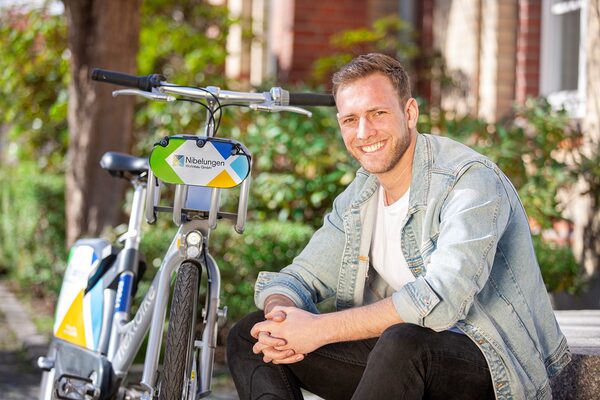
x=562 y=75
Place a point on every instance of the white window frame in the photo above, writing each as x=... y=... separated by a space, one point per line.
x=571 y=100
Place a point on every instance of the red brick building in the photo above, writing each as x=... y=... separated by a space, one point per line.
x=499 y=53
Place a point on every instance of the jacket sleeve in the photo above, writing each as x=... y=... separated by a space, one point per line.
x=313 y=275
x=473 y=217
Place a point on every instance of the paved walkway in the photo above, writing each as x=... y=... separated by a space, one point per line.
x=18 y=378
x=582 y=329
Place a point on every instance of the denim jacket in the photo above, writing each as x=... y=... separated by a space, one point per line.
x=466 y=239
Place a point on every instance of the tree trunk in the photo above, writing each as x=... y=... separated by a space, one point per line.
x=104 y=34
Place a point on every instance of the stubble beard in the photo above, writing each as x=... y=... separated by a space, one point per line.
x=397 y=152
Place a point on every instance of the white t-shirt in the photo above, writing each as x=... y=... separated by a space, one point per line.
x=386 y=245
x=386 y=248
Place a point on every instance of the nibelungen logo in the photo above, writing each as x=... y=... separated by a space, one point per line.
x=178 y=160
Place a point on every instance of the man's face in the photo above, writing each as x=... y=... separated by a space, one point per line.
x=373 y=123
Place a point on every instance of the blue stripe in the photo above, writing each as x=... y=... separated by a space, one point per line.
x=97 y=305
x=124 y=292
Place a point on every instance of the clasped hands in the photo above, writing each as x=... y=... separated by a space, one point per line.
x=287 y=335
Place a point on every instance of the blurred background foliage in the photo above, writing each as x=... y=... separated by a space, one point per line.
x=300 y=164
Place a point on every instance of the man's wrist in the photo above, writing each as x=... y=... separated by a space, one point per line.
x=275 y=300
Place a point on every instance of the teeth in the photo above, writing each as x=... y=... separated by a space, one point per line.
x=373 y=147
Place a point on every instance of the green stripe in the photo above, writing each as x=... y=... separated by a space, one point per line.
x=159 y=164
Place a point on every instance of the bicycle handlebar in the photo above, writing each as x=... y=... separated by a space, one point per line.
x=311 y=99
x=276 y=99
x=145 y=83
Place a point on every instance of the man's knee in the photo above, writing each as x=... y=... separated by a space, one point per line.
x=239 y=337
x=403 y=341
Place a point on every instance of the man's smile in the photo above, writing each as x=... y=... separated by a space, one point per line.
x=372 y=148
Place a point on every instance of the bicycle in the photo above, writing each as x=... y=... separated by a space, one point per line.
x=91 y=352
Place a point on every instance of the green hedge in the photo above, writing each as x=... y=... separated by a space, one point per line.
x=264 y=246
x=32 y=227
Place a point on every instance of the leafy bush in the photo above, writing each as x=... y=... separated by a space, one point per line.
x=299 y=164
x=33 y=88
x=264 y=246
x=560 y=270
x=32 y=226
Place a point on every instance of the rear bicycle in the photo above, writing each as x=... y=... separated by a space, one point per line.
x=77 y=366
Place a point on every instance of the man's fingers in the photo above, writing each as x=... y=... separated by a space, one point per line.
x=279 y=310
x=260 y=327
x=260 y=346
x=271 y=354
x=266 y=338
x=290 y=360
x=276 y=316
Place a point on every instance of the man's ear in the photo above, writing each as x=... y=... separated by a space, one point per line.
x=411 y=110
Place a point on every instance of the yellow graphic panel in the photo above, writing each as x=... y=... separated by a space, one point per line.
x=71 y=329
x=223 y=180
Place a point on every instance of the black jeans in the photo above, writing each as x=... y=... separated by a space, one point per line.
x=405 y=362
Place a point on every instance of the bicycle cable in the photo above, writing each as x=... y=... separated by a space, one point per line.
x=210 y=112
x=220 y=107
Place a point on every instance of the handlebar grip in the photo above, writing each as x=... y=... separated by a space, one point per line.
x=311 y=99
x=145 y=83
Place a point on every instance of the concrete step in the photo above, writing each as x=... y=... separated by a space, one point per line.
x=580 y=380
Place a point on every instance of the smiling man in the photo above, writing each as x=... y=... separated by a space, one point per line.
x=429 y=257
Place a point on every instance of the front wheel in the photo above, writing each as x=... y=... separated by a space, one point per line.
x=180 y=335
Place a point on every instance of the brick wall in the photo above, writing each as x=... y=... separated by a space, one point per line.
x=528 y=49
x=314 y=23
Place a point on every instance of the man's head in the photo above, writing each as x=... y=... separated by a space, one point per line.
x=367 y=64
x=377 y=115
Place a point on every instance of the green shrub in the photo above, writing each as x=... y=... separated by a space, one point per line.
x=560 y=270
x=32 y=227
x=264 y=246
x=299 y=164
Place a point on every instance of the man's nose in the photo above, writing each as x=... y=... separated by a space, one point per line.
x=365 y=128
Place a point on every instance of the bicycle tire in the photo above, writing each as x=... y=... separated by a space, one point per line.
x=179 y=334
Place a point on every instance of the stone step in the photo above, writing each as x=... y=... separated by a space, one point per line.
x=580 y=380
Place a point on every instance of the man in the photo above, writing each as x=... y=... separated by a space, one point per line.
x=429 y=257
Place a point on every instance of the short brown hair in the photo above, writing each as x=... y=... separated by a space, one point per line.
x=367 y=64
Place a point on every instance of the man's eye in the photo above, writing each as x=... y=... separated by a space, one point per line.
x=348 y=121
x=378 y=113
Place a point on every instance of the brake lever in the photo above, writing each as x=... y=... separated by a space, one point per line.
x=141 y=93
x=274 y=108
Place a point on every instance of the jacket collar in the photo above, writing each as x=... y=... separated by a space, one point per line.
x=421 y=173
x=420 y=180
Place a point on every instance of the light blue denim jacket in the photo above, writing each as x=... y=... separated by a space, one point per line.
x=467 y=241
